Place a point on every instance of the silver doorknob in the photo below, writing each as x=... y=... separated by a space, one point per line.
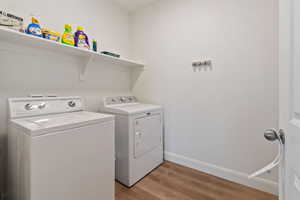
x=272 y=135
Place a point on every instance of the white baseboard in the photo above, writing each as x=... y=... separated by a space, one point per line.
x=228 y=174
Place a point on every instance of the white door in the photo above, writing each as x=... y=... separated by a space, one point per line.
x=289 y=95
x=148 y=134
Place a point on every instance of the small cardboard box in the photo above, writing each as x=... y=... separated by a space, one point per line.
x=11 y=21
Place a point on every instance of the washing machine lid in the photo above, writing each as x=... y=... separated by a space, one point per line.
x=130 y=109
x=35 y=126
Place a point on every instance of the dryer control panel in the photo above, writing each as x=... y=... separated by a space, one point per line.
x=120 y=100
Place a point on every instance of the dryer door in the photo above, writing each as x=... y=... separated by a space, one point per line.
x=148 y=134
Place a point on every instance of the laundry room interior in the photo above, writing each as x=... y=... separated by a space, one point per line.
x=209 y=69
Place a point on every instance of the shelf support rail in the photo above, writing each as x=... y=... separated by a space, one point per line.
x=84 y=68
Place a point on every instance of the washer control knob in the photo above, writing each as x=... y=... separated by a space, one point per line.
x=42 y=105
x=72 y=104
x=29 y=106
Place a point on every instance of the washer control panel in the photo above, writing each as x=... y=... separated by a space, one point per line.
x=120 y=100
x=26 y=107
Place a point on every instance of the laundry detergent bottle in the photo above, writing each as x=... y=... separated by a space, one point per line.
x=81 y=39
x=34 y=28
x=67 y=37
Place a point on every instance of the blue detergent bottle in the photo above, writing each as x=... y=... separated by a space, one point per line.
x=34 y=28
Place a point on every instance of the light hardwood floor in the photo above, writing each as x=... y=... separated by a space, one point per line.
x=174 y=182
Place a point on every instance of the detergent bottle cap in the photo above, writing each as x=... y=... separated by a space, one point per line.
x=79 y=28
x=68 y=27
x=34 y=20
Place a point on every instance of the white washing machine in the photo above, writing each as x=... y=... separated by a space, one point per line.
x=138 y=136
x=58 y=151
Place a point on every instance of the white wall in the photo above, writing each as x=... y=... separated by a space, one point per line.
x=214 y=119
x=25 y=71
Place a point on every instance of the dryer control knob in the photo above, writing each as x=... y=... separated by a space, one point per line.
x=123 y=99
x=29 y=106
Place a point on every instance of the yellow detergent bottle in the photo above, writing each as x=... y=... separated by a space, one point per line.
x=68 y=37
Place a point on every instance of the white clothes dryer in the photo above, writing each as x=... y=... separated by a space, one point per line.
x=138 y=137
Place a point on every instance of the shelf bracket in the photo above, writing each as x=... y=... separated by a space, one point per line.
x=85 y=66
